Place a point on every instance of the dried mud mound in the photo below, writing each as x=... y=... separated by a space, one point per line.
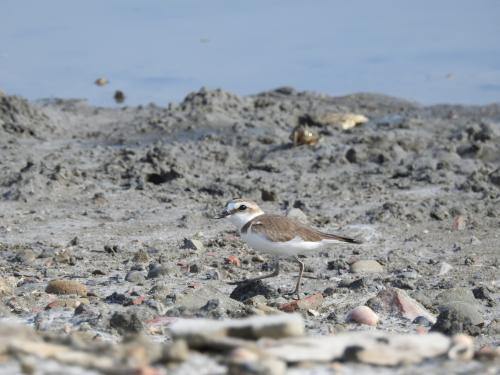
x=120 y=201
x=20 y=118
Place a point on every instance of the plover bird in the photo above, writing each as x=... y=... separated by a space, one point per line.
x=279 y=236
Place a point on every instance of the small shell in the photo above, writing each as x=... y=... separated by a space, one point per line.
x=363 y=315
x=345 y=120
x=101 y=82
x=302 y=135
x=66 y=287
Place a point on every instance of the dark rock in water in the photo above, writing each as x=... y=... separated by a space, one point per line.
x=285 y=90
x=125 y=322
x=248 y=290
x=454 y=320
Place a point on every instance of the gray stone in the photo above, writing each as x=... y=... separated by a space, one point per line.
x=157 y=270
x=193 y=244
x=398 y=302
x=458 y=317
x=455 y=295
x=136 y=277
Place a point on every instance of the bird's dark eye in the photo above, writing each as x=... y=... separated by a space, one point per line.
x=242 y=207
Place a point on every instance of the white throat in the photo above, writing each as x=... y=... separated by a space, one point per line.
x=239 y=219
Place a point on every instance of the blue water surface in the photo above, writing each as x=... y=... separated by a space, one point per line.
x=159 y=50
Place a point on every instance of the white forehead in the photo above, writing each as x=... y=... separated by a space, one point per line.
x=233 y=205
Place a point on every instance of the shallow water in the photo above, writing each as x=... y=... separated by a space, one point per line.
x=157 y=51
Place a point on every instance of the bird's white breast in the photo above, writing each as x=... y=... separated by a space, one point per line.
x=281 y=249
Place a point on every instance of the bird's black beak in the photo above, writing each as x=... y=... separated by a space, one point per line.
x=223 y=214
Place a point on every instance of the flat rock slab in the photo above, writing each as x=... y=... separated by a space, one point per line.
x=367 y=266
x=200 y=331
x=371 y=347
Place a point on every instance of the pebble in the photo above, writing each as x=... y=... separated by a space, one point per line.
x=157 y=270
x=482 y=293
x=136 y=277
x=459 y=223
x=366 y=266
x=194 y=268
x=140 y=256
x=363 y=315
x=444 y=269
x=268 y=195
x=422 y=321
x=245 y=291
x=66 y=287
x=233 y=260
x=312 y=302
x=462 y=348
x=193 y=244
x=5 y=287
x=458 y=317
x=125 y=322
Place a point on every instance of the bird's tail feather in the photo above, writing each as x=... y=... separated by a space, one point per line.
x=334 y=237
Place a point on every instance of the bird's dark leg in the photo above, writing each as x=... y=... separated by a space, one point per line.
x=275 y=272
x=296 y=291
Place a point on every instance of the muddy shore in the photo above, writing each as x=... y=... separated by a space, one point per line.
x=121 y=201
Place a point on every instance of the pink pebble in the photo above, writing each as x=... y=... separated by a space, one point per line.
x=363 y=315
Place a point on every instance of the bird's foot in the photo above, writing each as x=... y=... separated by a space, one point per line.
x=294 y=294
